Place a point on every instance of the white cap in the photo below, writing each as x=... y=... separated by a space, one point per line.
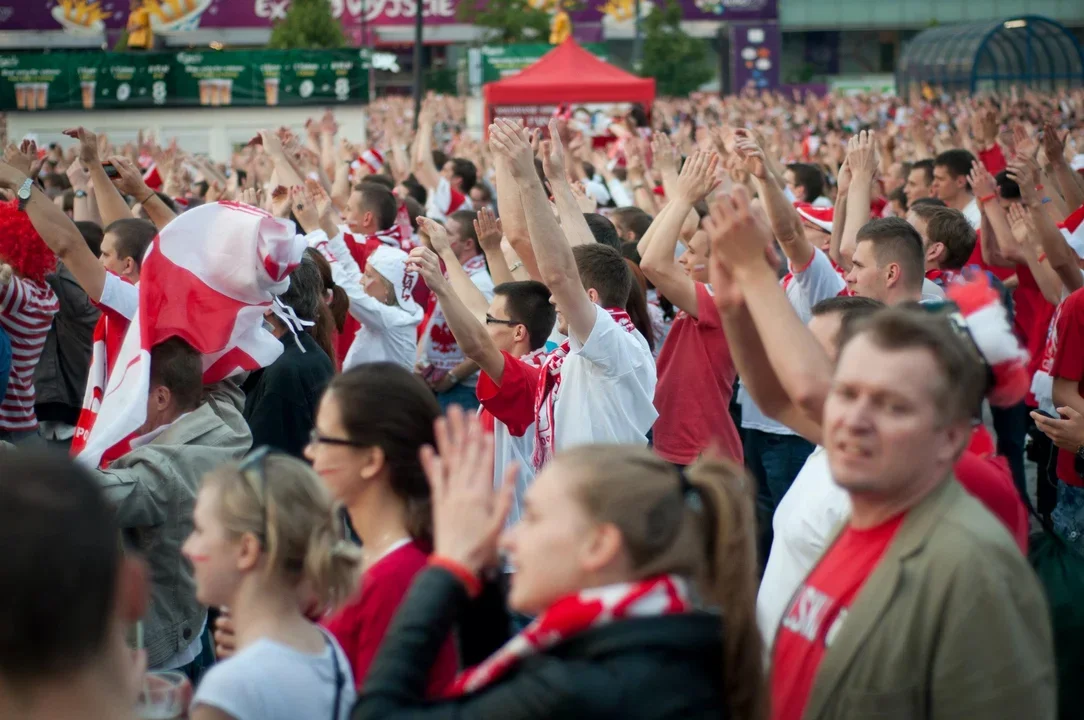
x=391 y=264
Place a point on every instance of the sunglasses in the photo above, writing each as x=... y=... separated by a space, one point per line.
x=315 y=438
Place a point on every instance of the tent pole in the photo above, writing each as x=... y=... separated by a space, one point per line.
x=417 y=63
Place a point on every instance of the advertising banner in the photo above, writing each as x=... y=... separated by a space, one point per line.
x=92 y=17
x=239 y=78
x=755 y=50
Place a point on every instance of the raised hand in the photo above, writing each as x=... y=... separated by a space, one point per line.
x=130 y=181
x=1020 y=172
x=1022 y=224
x=662 y=153
x=321 y=201
x=303 y=206
x=88 y=144
x=1026 y=144
x=553 y=155
x=249 y=196
x=272 y=144
x=425 y=262
x=982 y=182
x=862 y=153
x=78 y=176
x=510 y=141
x=1053 y=143
x=468 y=514
x=433 y=235
x=280 y=202
x=752 y=155
x=22 y=157
x=740 y=238
x=489 y=230
x=586 y=203
x=697 y=177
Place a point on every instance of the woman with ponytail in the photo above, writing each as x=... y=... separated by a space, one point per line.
x=265 y=532
x=643 y=581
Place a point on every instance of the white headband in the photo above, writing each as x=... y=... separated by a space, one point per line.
x=286 y=314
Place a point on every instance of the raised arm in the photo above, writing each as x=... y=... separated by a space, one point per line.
x=59 y=233
x=797 y=358
x=862 y=158
x=513 y=220
x=130 y=181
x=427 y=173
x=1062 y=257
x=469 y=330
x=995 y=236
x=1025 y=235
x=1069 y=182
x=435 y=236
x=111 y=204
x=284 y=172
x=571 y=216
x=665 y=160
x=658 y=264
x=784 y=219
x=490 y=231
x=556 y=263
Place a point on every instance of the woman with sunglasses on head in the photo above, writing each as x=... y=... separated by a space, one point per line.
x=265 y=533
x=371 y=424
x=616 y=554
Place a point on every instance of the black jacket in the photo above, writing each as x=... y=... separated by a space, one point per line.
x=640 y=669
x=60 y=377
x=281 y=399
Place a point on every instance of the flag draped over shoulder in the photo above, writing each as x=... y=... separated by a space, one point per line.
x=207 y=278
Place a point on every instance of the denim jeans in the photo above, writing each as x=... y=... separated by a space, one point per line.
x=774 y=460
x=461 y=395
x=1068 y=516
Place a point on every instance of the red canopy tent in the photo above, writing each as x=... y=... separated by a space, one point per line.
x=568 y=74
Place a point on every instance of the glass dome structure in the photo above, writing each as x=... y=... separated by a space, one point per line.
x=1028 y=50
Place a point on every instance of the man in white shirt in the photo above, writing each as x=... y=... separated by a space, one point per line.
x=599 y=385
x=950 y=171
x=448 y=186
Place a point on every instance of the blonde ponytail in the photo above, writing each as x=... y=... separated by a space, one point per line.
x=295 y=518
x=700 y=526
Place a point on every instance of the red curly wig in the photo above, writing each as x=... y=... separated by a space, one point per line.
x=21 y=246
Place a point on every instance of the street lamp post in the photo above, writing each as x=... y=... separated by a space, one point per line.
x=637 y=41
x=417 y=63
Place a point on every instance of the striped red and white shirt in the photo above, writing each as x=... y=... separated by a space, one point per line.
x=26 y=313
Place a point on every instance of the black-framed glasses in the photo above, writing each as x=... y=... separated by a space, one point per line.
x=315 y=438
x=254 y=470
x=490 y=320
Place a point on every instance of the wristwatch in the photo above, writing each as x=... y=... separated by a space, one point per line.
x=23 y=193
x=80 y=193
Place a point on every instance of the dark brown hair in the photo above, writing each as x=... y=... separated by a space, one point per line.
x=950 y=228
x=636 y=305
x=384 y=405
x=604 y=269
x=339 y=306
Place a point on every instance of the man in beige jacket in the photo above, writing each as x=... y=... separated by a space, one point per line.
x=922 y=607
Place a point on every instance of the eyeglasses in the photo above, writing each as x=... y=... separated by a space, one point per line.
x=315 y=438
x=490 y=320
x=254 y=470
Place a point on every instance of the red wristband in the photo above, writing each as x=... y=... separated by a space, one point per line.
x=1038 y=188
x=986 y=198
x=1042 y=256
x=470 y=581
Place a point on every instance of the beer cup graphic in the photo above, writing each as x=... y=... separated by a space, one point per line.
x=226 y=90
x=271 y=90
x=20 y=96
x=88 y=87
x=42 y=92
x=205 y=87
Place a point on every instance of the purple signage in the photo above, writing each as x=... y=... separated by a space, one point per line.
x=91 y=17
x=754 y=55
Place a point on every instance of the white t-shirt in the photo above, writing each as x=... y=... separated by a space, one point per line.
x=271 y=681
x=388 y=333
x=819 y=280
x=973 y=214
x=804 y=520
x=607 y=388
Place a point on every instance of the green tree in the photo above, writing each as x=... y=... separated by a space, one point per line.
x=308 y=24
x=679 y=63
x=510 y=21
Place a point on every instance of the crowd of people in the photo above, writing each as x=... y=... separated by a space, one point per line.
x=726 y=407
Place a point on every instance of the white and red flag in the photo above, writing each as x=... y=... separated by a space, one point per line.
x=207 y=278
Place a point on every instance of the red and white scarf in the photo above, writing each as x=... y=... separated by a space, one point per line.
x=574 y=614
x=549 y=385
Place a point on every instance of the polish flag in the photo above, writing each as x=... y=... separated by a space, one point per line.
x=1073 y=230
x=207 y=278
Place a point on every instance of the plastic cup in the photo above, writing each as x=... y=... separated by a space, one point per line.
x=165 y=696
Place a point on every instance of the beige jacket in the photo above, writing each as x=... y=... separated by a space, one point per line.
x=952 y=625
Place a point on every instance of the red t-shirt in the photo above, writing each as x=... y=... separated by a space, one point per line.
x=511 y=402
x=1069 y=364
x=360 y=625
x=696 y=381
x=1033 y=314
x=989 y=480
x=817 y=612
x=1001 y=273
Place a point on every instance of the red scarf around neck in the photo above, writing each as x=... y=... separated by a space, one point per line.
x=574 y=614
x=549 y=385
